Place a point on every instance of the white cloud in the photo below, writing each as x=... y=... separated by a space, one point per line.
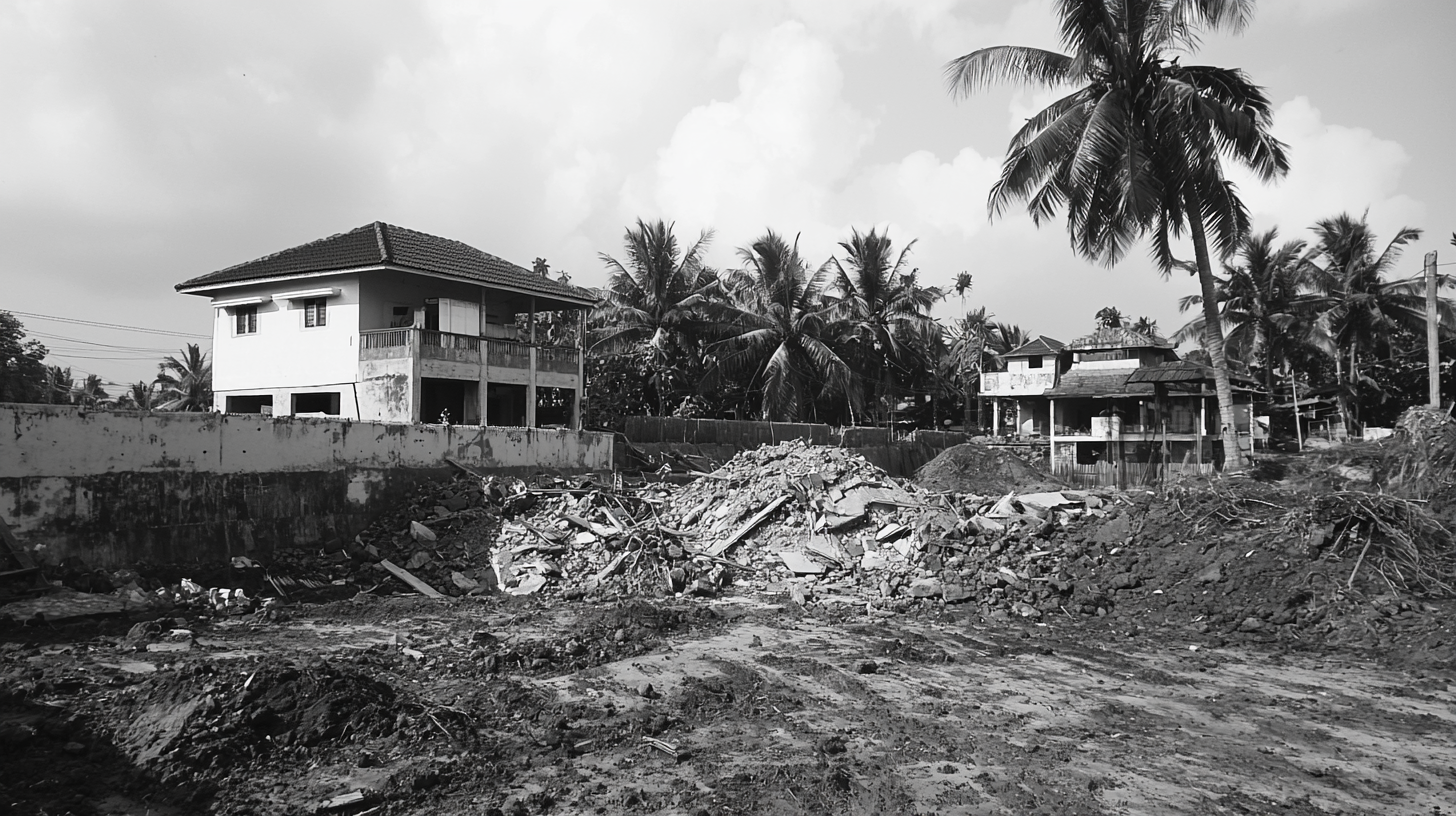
x=926 y=196
x=771 y=156
x=1333 y=168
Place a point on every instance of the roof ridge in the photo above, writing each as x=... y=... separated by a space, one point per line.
x=380 y=239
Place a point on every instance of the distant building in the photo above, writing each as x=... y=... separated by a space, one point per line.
x=389 y=324
x=1117 y=405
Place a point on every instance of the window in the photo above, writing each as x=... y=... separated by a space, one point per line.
x=320 y=402
x=1033 y=361
x=315 y=312
x=245 y=319
x=250 y=404
x=401 y=317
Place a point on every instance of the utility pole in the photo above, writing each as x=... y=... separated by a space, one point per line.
x=1433 y=349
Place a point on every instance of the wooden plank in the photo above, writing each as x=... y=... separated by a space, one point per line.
x=404 y=575
x=747 y=527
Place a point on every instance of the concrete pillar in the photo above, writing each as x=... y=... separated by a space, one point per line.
x=580 y=373
x=995 y=417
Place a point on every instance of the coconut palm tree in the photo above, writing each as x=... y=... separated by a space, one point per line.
x=966 y=359
x=141 y=396
x=1364 y=307
x=1137 y=150
x=1266 y=304
x=89 y=392
x=777 y=332
x=879 y=316
x=652 y=300
x=185 y=382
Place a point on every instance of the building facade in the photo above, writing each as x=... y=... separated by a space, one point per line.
x=388 y=324
x=1118 y=407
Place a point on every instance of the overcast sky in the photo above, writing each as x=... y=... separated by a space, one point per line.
x=144 y=143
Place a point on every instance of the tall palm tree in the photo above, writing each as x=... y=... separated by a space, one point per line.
x=652 y=300
x=185 y=382
x=966 y=358
x=1363 y=306
x=880 y=314
x=1265 y=304
x=963 y=284
x=1137 y=150
x=777 y=332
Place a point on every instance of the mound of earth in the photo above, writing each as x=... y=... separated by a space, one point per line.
x=976 y=468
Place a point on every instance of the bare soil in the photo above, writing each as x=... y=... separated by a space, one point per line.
x=746 y=704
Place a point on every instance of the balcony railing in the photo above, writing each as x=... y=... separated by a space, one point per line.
x=506 y=354
x=558 y=359
x=387 y=343
x=446 y=340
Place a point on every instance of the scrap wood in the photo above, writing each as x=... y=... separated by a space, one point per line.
x=747 y=527
x=402 y=574
x=666 y=747
x=610 y=569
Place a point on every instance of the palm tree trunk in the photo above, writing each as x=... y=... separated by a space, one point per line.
x=1233 y=457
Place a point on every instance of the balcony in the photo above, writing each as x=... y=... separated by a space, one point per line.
x=1017 y=384
x=384 y=344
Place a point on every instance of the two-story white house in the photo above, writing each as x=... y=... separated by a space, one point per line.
x=1031 y=369
x=389 y=324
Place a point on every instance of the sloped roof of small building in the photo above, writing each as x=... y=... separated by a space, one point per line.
x=1042 y=345
x=1098 y=383
x=1118 y=337
x=381 y=244
x=1183 y=371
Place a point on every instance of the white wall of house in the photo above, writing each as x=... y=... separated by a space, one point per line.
x=283 y=354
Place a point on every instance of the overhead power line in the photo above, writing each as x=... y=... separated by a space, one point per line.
x=50 y=336
x=108 y=325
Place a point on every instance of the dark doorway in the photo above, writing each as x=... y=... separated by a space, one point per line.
x=505 y=404
x=449 y=401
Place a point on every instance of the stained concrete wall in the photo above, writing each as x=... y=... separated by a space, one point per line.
x=116 y=487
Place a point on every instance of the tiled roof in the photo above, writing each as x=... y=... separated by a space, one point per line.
x=1041 y=345
x=1097 y=383
x=379 y=243
x=1117 y=338
x=1183 y=371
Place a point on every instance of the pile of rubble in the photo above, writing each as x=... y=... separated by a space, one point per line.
x=818 y=523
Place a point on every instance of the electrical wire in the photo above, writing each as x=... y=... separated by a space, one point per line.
x=109 y=325
x=49 y=336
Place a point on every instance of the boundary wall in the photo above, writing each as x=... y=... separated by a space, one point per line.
x=116 y=488
x=898 y=454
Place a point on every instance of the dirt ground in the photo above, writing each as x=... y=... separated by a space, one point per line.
x=744 y=704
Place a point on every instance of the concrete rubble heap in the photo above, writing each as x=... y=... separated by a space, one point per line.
x=818 y=523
